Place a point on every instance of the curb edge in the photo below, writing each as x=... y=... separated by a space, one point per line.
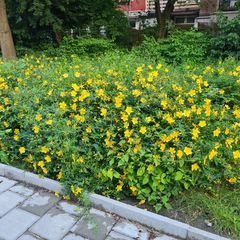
x=152 y=220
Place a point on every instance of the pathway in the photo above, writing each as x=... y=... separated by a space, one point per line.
x=28 y=213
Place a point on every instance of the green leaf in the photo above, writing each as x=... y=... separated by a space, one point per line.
x=145 y=179
x=116 y=175
x=178 y=176
x=141 y=171
x=158 y=207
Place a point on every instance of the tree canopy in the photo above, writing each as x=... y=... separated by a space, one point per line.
x=49 y=20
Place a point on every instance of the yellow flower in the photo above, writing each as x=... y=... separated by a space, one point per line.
x=134 y=190
x=38 y=117
x=195 y=133
x=236 y=154
x=22 y=150
x=36 y=129
x=124 y=116
x=5 y=124
x=48 y=159
x=88 y=130
x=44 y=149
x=41 y=164
x=76 y=191
x=49 y=122
x=60 y=153
x=216 y=132
x=73 y=93
x=63 y=106
x=195 y=167
x=75 y=87
x=172 y=150
x=59 y=176
x=141 y=202
x=179 y=153
x=16 y=137
x=202 y=124
x=229 y=142
x=118 y=101
x=84 y=94
x=212 y=154
x=66 y=197
x=134 y=120
x=119 y=186
x=188 y=151
x=143 y=130
x=56 y=194
x=148 y=119
x=77 y=74
x=227 y=131
x=65 y=75
x=150 y=167
x=128 y=133
x=103 y=112
x=136 y=93
x=232 y=180
x=129 y=110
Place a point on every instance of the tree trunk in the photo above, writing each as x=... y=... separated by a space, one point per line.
x=58 y=37
x=163 y=26
x=6 y=40
x=163 y=16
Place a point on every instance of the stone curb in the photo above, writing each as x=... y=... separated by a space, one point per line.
x=152 y=220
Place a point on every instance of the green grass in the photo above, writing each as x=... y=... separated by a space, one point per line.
x=220 y=206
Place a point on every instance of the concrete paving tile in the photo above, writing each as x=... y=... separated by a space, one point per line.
x=15 y=223
x=96 y=226
x=5 y=184
x=131 y=230
x=28 y=236
x=117 y=236
x=22 y=190
x=39 y=203
x=54 y=225
x=164 y=237
x=71 y=208
x=72 y=236
x=9 y=200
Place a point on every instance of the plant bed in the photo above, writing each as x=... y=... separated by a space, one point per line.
x=120 y=127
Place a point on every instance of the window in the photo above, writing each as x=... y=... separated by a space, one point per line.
x=185 y=20
x=180 y=20
x=190 y=19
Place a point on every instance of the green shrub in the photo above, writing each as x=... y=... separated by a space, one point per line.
x=81 y=46
x=120 y=126
x=179 y=47
x=226 y=41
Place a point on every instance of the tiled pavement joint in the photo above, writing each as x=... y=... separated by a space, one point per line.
x=148 y=219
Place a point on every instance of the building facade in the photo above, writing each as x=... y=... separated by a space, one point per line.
x=186 y=14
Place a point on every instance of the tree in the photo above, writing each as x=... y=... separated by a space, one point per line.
x=39 y=21
x=163 y=16
x=6 y=40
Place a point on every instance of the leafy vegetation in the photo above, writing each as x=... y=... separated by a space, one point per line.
x=180 y=47
x=218 y=205
x=116 y=126
x=227 y=37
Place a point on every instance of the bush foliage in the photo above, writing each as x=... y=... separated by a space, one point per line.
x=80 y=46
x=116 y=126
x=226 y=41
x=179 y=47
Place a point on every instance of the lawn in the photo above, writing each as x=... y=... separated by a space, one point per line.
x=128 y=127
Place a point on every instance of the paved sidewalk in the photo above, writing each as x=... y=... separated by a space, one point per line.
x=28 y=213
